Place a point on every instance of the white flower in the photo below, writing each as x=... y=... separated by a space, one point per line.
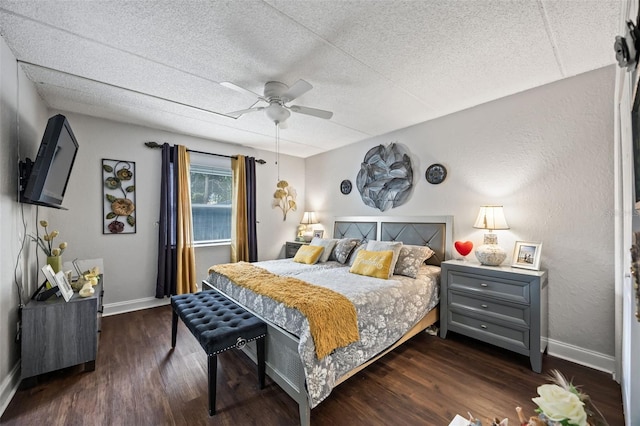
x=559 y=404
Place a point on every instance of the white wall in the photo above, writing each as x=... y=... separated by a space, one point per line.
x=130 y=259
x=18 y=104
x=546 y=155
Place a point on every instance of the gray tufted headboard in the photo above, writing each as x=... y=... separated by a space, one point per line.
x=433 y=231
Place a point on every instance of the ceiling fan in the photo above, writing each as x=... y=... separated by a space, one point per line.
x=277 y=95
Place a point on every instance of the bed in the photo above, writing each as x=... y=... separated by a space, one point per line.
x=389 y=312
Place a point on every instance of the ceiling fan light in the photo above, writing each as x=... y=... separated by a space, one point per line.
x=277 y=113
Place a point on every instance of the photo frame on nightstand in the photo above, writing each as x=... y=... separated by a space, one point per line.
x=526 y=255
x=318 y=233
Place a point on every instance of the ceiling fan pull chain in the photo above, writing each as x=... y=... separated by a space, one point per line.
x=278 y=148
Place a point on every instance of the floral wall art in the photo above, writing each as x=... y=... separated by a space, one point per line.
x=119 y=197
x=386 y=177
x=284 y=198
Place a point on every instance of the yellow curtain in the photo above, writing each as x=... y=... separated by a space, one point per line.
x=239 y=225
x=186 y=281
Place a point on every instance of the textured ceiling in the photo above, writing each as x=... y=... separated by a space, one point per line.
x=378 y=65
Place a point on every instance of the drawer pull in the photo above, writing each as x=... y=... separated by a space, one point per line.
x=484 y=285
x=484 y=306
x=483 y=326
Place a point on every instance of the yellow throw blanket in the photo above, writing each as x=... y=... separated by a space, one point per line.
x=332 y=317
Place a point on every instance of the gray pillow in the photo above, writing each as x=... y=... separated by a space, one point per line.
x=343 y=249
x=394 y=246
x=327 y=244
x=354 y=253
x=411 y=258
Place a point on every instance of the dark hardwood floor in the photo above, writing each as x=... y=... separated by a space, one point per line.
x=139 y=380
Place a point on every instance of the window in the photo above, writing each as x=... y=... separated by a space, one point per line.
x=210 y=198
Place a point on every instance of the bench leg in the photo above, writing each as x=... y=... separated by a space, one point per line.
x=213 y=369
x=174 y=329
x=260 y=353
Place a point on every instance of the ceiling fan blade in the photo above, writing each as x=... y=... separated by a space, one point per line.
x=233 y=86
x=311 y=111
x=299 y=88
x=237 y=114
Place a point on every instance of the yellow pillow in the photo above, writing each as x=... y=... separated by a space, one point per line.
x=308 y=254
x=373 y=263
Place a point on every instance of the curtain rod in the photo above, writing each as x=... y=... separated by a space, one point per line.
x=157 y=145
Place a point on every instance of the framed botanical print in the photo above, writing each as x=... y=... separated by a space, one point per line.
x=119 y=197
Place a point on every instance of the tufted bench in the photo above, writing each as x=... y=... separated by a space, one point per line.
x=218 y=324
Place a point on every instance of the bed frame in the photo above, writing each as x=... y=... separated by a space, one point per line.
x=283 y=362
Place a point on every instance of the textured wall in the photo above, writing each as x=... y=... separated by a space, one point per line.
x=546 y=155
x=17 y=105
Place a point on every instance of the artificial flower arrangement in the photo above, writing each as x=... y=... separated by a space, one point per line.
x=46 y=241
x=559 y=404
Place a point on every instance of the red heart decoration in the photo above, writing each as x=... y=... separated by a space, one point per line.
x=463 y=247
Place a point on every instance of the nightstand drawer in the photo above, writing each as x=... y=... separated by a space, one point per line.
x=291 y=248
x=515 y=291
x=490 y=332
x=516 y=314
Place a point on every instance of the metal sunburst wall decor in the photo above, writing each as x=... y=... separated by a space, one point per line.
x=386 y=177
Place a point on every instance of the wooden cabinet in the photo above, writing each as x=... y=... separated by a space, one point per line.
x=504 y=306
x=291 y=248
x=58 y=334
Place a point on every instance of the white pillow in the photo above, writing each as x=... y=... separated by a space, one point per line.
x=394 y=246
x=327 y=244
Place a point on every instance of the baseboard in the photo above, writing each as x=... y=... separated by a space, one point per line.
x=133 y=305
x=582 y=356
x=8 y=387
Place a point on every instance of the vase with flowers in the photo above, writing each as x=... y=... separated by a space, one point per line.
x=53 y=253
x=560 y=403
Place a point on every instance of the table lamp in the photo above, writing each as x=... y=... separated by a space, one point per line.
x=309 y=218
x=491 y=218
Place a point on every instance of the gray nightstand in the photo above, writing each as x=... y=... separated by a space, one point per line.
x=291 y=248
x=504 y=306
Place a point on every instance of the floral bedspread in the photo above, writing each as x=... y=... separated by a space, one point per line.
x=386 y=310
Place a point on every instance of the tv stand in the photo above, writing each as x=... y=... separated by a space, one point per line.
x=58 y=334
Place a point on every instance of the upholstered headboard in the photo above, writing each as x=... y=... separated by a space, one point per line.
x=436 y=232
x=365 y=231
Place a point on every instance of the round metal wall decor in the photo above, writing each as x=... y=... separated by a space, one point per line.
x=386 y=177
x=345 y=186
x=435 y=173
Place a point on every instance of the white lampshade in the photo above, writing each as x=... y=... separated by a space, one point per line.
x=491 y=217
x=309 y=218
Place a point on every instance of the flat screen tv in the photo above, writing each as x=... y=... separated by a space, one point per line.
x=44 y=181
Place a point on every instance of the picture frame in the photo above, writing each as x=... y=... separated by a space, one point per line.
x=527 y=255
x=318 y=233
x=48 y=273
x=64 y=286
x=58 y=280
